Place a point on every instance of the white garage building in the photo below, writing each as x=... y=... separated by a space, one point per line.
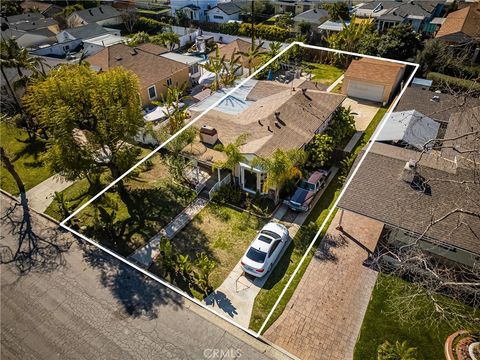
x=372 y=79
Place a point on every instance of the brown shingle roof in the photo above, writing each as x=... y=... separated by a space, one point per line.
x=299 y=117
x=148 y=67
x=377 y=191
x=466 y=21
x=372 y=70
x=153 y=48
x=233 y=48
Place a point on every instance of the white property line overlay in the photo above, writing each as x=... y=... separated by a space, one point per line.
x=153 y=152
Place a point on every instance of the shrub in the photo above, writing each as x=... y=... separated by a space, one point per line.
x=228 y=194
x=150 y=26
x=267 y=32
x=442 y=81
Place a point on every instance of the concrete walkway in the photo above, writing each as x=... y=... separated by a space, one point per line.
x=41 y=196
x=145 y=255
x=323 y=318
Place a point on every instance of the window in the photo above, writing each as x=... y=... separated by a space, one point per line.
x=169 y=82
x=152 y=92
x=273 y=248
x=193 y=69
x=218 y=17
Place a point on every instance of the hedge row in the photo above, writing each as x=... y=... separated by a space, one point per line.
x=441 y=80
x=266 y=32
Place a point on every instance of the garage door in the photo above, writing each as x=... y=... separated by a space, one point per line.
x=364 y=91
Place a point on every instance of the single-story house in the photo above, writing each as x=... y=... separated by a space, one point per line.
x=193 y=9
x=102 y=15
x=314 y=17
x=407 y=195
x=155 y=73
x=224 y=12
x=234 y=48
x=85 y=32
x=32 y=22
x=282 y=119
x=372 y=79
x=419 y=14
x=461 y=26
x=29 y=39
x=330 y=27
x=296 y=7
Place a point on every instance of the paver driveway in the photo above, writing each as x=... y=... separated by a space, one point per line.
x=323 y=318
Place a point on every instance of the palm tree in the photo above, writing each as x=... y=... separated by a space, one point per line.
x=233 y=154
x=254 y=52
x=229 y=75
x=399 y=351
x=215 y=66
x=167 y=39
x=12 y=56
x=281 y=167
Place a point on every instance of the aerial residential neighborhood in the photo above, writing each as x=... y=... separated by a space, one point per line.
x=225 y=179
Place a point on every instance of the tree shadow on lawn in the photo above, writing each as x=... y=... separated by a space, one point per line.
x=136 y=216
x=34 y=148
x=138 y=294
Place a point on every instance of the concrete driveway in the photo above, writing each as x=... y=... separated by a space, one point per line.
x=40 y=196
x=365 y=111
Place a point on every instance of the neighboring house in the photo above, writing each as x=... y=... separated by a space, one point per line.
x=314 y=17
x=155 y=73
x=281 y=119
x=193 y=62
x=419 y=14
x=195 y=10
x=386 y=186
x=296 y=7
x=374 y=80
x=224 y=12
x=103 y=15
x=29 y=39
x=461 y=26
x=330 y=27
x=86 y=32
x=46 y=9
x=234 y=48
x=32 y=22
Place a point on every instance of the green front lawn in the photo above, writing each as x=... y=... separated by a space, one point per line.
x=28 y=159
x=223 y=233
x=126 y=222
x=379 y=324
x=324 y=74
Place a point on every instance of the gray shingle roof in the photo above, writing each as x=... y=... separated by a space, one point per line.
x=311 y=16
x=97 y=13
x=229 y=8
x=87 y=31
x=378 y=191
x=34 y=24
x=24 y=17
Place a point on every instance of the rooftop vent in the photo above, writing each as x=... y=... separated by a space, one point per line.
x=304 y=92
x=435 y=98
x=208 y=135
x=269 y=129
x=118 y=58
x=90 y=12
x=409 y=171
x=101 y=10
x=133 y=52
x=419 y=183
x=260 y=122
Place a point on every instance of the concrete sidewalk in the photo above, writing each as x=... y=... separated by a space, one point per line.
x=41 y=196
x=145 y=255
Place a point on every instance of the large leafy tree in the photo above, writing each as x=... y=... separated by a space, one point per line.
x=337 y=11
x=342 y=125
x=91 y=118
x=399 y=42
x=281 y=167
x=10 y=8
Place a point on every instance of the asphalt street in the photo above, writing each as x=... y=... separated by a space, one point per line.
x=85 y=304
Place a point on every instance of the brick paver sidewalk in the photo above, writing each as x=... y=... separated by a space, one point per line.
x=322 y=320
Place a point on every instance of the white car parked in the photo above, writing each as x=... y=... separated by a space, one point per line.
x=265 y=249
